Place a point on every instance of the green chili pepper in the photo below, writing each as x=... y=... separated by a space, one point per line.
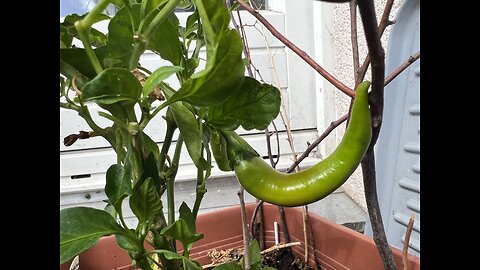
x=314 y=183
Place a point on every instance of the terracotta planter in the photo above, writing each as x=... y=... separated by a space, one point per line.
x=337 y=246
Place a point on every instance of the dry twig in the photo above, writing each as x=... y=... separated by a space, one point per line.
x=329 y=77
x=407 y=241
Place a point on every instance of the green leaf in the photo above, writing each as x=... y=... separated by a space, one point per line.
x=228 y=266
x=189 y=128
x=65 y=37
x=192 y=24
x=158 y=76
x=118 y=184
x=151 y=146
x=77 y=58
x=179 y=230
x=121 y=31
x=222 y=76
x=111 y=210
x=224 y=70
x=151 y=5
x=68 y=30
x=128 y=243
x=187 y=215
x=254 y=252
x=254 y=106
x=70 y=19
x=185 y=4
x=165 y=40
x=187 y=263
x=150 y=169
x=80 y=229
x=145 y=202
x=111 y=86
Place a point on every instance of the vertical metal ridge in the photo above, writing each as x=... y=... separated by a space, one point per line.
x=416 y=167
x=410 y=184
x=414 y=109
x=414 y=205
x=404 y=219
x=412 y=147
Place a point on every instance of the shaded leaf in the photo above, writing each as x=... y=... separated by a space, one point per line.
x=187 y=263
x=158 y=76
x=222 y=76
x=80 y=229
x=254 y=252
x=190 y=130
x=255 y=256
x=145 y=202
x=77 y=58
x=111 y=86
x=118 y=184
x=121 y=31
x=224 y=70
x=151 y=5
x=228 y=266
x=179 y=230
x=187 y=215
x=253 y=106
x=166 y=42
x=127 y=243
x=151 y=146
x=150 y=169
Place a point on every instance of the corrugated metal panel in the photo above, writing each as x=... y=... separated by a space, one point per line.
x=398 y=147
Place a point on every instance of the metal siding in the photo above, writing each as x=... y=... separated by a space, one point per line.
x=398 y=147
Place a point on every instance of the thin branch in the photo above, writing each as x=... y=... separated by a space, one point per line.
x=342 y=87
x=312 y=146
x=370 y=186
x=279 y=246
x=384 y=22
x=283 y=223
x=354 y=38
x=312 y=240
x=377 y=54
x=408 y=233
x=402 y=67
x=368 y=16
x=305 y=231
x=246 y=237
x=254 y=215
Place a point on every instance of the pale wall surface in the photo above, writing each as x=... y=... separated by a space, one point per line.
x=343 y=69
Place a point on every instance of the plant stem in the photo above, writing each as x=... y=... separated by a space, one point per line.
x=379 y=236
x=384 y=22
x=166 y=145
x=70 y=72
x=171 y=180
x=354 y=38
x=246 y=237
x=142 y=40
x=313 y=145
x=402 y=67
x=367 y=13
x=83 y=27
x=342 y=87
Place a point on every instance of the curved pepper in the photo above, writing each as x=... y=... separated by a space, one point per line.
x=310 y=185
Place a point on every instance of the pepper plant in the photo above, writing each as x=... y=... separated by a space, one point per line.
x=210 y=101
